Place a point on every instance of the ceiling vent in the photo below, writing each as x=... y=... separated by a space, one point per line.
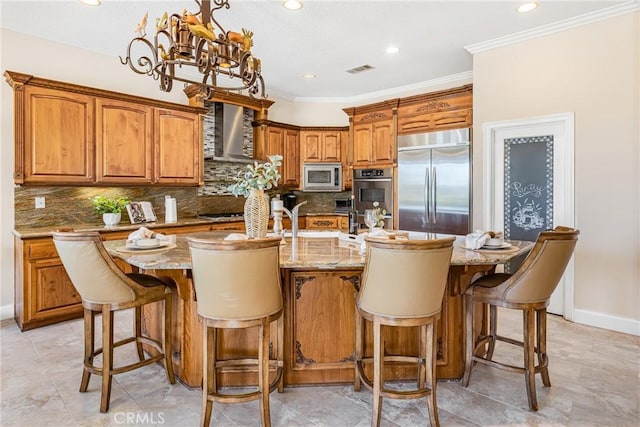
x=360 y=69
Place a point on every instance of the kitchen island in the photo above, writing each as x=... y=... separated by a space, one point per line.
x=321 y=277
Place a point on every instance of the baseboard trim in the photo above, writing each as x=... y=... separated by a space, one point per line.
x=605 y=321
x=6 y=312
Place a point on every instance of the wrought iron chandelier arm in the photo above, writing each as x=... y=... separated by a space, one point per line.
x=145 y=65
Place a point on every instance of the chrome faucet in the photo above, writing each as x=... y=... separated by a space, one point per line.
x=293 y=214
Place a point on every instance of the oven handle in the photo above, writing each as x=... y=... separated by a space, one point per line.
x=372 y=179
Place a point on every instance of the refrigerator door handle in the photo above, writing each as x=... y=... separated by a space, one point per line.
x=427 y=194
x=433 y=192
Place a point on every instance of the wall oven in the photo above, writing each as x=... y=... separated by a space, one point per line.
x=373 y=185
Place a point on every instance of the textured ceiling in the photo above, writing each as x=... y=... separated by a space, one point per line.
x=324 y=37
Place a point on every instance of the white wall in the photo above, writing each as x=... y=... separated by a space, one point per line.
x=593 y=71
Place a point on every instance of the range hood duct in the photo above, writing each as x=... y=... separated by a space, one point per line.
x=228 y=141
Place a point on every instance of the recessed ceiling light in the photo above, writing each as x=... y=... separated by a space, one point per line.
x=309 y=76
x=292 y=4
x=527 y=7
x=392 y=49
x=91 y=2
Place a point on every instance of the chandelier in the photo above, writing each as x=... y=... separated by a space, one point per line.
x=195 y=49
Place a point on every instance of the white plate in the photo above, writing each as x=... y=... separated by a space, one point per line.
x=505 y=245
x=142 y=248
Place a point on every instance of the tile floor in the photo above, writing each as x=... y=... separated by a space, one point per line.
x=595 y=376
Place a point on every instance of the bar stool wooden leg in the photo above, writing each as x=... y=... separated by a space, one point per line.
x=541 y=321
x=137 y=332
x=529 y=357
x=107 y=356
x=493 y=330
x=280 y=352
x=359 y=351
x=469 y=347
x=89 y=347
x=378 y=372
x=168 y=359
x=423 y=364
x=208 y=374
x=430 y=370
x=263 y=372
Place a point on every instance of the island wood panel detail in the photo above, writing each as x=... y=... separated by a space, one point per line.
x=319 y=339
x=124 y=142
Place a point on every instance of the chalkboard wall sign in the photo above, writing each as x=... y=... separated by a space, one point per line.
x=528 y=187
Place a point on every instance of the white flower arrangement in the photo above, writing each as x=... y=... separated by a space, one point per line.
x=258 y=176
x=380 y=213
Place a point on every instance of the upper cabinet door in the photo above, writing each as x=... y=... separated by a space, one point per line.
x=291 y=161
x=179 y=150
x=331 y=145
x=58 y=137
x=362 y=140
x=383 y=144
x=124 y=144
x=311 y=145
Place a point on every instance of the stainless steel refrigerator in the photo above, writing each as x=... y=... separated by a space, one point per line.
x=434 y=182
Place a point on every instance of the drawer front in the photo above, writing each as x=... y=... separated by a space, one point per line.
x=323 y=222
x=42 y=249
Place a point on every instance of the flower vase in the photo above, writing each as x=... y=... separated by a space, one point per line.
x=256 y=214
x=111 y=218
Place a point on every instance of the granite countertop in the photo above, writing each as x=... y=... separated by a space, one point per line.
x=45 y=231
x=302 y=253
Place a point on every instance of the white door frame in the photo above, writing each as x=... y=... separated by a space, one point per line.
x=563 y=172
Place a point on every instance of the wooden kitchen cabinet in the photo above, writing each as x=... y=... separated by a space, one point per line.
x=441 y=110
x=54 y=137
x=285 y=142
x=318 y=146
x=44 y=293
x=178 y=147
x=67 y=134
x=124 y=142
x=374 y=144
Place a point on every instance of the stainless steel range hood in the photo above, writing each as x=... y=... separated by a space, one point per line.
x=229 y=141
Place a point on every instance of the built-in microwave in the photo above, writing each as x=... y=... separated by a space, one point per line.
x=322 y=177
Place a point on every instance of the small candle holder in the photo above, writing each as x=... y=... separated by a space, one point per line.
x=277 y=208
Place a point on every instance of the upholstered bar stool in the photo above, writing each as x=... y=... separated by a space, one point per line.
x=529 y=290
x=104 y=288
x=403 y=285
x=237 y=285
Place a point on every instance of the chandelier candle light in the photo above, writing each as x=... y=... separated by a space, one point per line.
x=197 y=41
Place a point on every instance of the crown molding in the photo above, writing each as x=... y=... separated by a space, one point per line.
x=587 y=18
x=386 y=93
